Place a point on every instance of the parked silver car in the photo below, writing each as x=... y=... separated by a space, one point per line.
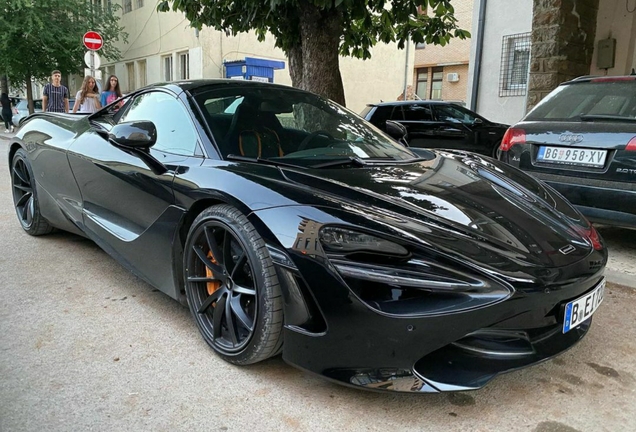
x=21 y=110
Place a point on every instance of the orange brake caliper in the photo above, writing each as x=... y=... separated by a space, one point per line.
x=214 y=285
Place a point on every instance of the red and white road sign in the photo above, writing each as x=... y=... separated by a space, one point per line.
x=93 y=40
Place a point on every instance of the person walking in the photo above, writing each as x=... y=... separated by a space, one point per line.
x=87 y=99
x=55 y=95
x=7 y=112
x=112 y=92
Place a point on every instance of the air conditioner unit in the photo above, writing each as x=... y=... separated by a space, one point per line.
x=452 y=77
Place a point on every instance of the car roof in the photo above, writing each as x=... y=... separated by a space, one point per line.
x=415 y=102
x=600 y=78
x=193 y=86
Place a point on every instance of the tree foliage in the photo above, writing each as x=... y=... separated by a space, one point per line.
x=312 y=32
x=38 y=36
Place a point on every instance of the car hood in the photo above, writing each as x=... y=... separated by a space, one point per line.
x=460 y=197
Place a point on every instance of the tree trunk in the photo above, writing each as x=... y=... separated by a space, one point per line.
x=320 y=38
x=295 y=56
x=4 y=84
x=29 y=93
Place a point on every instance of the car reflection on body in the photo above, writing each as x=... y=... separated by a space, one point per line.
x=289 y=224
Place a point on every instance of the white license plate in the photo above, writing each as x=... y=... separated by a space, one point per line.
x=582 y=308
x=572 y=156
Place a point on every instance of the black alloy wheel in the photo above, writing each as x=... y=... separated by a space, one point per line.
x=24 y=196
x=232 y=287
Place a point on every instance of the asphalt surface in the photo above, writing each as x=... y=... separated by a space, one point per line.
x=84 y=345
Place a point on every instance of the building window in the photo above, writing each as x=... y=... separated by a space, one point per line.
x=421 y=90
x=515 y=64
x=97 y=4
x=167 y=68
x=130 y=68
x=436 y=84
x=184 y=66
x=141 y=68
x=140 y=4
x=127 y=6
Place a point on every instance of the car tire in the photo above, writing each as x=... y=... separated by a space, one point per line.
x=25 y=199
x=495 y=150
x=232 y=288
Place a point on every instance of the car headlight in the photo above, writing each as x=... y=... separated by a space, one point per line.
x=344 y=240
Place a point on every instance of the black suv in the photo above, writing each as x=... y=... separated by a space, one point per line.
x=581 y=139
x=439 y=124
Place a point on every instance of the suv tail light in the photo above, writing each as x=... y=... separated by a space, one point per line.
x=631 y=145
x=511 y=137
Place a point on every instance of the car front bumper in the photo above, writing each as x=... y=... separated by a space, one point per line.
x=357 y=346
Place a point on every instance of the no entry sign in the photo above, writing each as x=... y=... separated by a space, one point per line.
x=93 y=40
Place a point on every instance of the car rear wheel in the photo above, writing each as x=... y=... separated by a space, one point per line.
x=495 y=150
x=232 y=288
x=25 y=198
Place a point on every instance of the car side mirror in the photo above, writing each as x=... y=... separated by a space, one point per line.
x=396 y=130
x=134 y=135
x=478 y=121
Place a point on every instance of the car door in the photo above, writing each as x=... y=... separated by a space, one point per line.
x=455 y=127
x=419 y=123
x=128 y=208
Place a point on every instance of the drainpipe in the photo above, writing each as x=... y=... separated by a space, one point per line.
x=406 y=67
x=474 y=94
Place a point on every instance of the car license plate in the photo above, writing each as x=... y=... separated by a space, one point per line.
x=582 y=308
x=572 y=156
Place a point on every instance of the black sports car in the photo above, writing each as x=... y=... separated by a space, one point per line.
x=288 y=223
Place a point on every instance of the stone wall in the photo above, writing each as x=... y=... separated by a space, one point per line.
x=563 y=33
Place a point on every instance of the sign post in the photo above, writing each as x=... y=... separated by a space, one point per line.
x=92 y=41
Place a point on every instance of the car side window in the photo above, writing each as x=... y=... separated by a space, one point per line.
x=454 y=114
x=417 y=112
x=175 y=131
x=381 y=115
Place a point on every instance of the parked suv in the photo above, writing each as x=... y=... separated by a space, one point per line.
x=439 y=124
x=581 y=139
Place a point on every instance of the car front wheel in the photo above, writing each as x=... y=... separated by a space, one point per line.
x=232 y=287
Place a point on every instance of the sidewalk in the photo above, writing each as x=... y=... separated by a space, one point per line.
x=6 y=136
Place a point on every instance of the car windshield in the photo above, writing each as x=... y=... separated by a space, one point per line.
x=595 y=98
x=291 y=126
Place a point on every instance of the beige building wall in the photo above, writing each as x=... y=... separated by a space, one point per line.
x=154 y=38
x=453 y=58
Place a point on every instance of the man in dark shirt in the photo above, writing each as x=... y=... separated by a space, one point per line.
x=55 y=95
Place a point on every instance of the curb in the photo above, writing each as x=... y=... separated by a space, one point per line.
x=620 y=278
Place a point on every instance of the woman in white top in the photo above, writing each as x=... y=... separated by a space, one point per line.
x=87 y=99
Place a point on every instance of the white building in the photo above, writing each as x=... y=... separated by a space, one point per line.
x=500 y=91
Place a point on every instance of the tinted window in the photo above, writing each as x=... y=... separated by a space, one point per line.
x=417 y=112
x=175 y=132
x=612 y=98
x=381 y=115
x=454 y=114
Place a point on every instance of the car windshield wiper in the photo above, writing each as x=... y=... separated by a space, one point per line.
x=592 y=117
x=259 y=160
x=351 y=160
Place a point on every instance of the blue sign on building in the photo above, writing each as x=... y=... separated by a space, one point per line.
x=253 y=69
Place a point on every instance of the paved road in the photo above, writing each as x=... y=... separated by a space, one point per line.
x=84 y=345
